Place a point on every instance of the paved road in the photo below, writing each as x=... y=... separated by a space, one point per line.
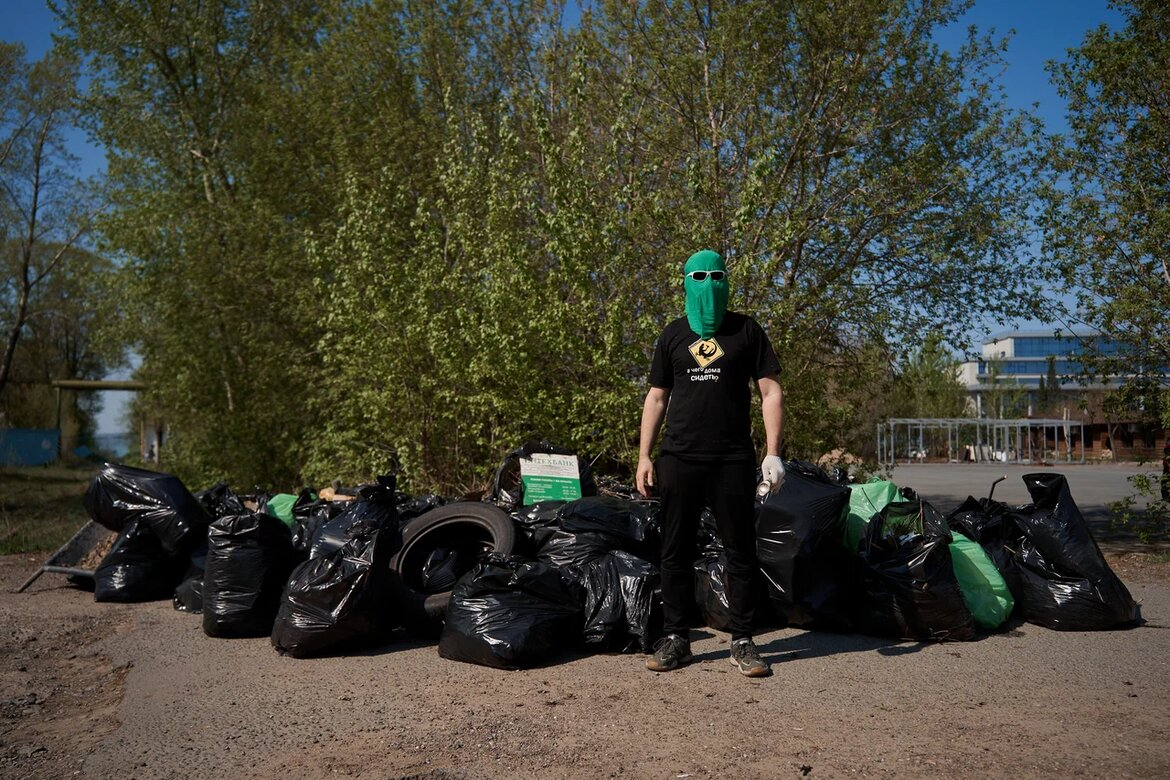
x=1093 y=487
x=1027 y=702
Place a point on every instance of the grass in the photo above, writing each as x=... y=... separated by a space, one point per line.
x=40 y=506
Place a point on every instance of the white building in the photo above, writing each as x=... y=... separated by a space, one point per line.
x=1008 y=375
x=1019 y=360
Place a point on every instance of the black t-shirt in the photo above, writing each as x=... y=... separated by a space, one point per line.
x=709 y=415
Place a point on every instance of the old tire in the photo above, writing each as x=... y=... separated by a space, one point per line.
x=468 y=526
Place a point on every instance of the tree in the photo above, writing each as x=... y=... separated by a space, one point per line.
x=1003 y=397
x=43 y=210
x=511 y=309
x=65 y=337
x=1050 y=391
x=867 y=187
x=927 y=384
x=208 y=208
x=425 y=231
x=1107 y=223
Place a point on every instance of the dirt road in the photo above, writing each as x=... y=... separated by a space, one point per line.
x=101 y=690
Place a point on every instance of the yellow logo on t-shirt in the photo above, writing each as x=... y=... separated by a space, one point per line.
x=706 y=351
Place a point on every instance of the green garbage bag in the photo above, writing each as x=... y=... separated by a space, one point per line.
x=865 y=501
x=280 y=506
x=984 y=590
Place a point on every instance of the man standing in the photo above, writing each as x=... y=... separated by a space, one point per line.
x=703 y=365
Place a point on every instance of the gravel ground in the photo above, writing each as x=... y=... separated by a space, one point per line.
x=103 y=690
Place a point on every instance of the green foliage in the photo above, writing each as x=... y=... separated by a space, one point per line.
x=206 y=212
x=366 y=233
x=1107 y=225
x=1004 y=398
x=867 y=187
x=63 y=338
x=928 y=385
x=51 y=289
x=1145 y=512
x=1049 y=395
x=1107 y=222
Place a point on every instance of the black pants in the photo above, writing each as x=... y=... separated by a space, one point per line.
x=729 y=489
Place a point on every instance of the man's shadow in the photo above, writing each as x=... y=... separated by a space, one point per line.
x=817 y=644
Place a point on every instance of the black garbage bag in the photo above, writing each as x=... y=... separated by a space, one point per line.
x=838 y=475
x=136 y=568
x=249 y=558
x=280 y=506
x=189 y=594
x=707 y=540
x=990 y=525
x=634 y=524
x=160 y=502
x=565 y=549
x=909 y=585
x=507 y=490
x=441 y=569
x=537 y=523
x=337 y=601
x=711 y=576
x=611 y=486
x=711 y=592
x=1061 y=579
x=511 y=613
x=375 y=505
x=218 y=500
x=410 y=507
x=308 y=519
x=811 y=578
x=589 y=528
x=623 y=603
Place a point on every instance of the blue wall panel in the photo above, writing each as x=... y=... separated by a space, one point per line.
x=28 y=446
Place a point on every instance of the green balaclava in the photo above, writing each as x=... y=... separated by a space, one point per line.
x=706 y=300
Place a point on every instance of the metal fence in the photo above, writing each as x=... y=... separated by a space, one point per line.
x=964 y=439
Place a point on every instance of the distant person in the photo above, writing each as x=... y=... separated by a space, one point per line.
x=704 y=365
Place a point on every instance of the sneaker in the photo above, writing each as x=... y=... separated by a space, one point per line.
x=746 y=657
x=670 y=652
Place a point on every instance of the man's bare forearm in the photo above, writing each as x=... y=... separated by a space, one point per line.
x=653 y=412
x=772 y=407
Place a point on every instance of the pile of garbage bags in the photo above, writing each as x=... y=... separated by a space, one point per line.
x=510 y=584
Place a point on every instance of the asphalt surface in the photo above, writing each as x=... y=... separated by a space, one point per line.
x=1093 y=486
x=139 y=691
x=1023 y=702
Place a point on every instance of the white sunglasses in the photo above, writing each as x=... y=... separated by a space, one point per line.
x=701 y=276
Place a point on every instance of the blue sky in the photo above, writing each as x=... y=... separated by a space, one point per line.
x=1043 y=30
x=31 y=23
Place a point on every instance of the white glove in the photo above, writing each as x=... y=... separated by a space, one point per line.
x=773 y=470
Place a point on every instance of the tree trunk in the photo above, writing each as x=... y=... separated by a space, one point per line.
x=12 y=339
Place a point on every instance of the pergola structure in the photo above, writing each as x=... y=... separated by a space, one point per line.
x=965 y=439
x=97 y=384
